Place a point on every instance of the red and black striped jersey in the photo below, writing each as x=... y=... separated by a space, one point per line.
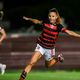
x=49 y=35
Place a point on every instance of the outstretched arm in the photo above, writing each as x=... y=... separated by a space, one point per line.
x=35 y=21
x=3 y=34
x=72 y=33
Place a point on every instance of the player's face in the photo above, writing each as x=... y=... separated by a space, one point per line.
x=52 y=17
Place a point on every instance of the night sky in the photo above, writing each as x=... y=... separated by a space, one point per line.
x=15 y=9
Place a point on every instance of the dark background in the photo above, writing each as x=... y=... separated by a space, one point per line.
x=15 y=9
x=16 y=50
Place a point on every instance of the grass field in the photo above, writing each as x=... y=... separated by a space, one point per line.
x=42 y=75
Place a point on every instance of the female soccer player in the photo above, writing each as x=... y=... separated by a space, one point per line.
x=46 y=41
x=2 y=37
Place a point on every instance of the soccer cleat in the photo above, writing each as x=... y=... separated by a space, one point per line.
x=60 y=58
x=23 y=75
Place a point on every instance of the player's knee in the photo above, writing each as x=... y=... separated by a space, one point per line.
x=46 y=64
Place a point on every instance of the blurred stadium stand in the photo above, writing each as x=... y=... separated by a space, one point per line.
x=16 y=52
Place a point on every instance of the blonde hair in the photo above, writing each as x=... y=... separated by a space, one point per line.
x=58 y=21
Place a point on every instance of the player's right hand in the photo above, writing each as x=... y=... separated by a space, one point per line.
x=26 y=18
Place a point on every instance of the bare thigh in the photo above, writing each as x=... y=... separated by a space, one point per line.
x=35 y=57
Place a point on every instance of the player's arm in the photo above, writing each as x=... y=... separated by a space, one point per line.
x=35 y=21
x=3 y=34
x=72 y=33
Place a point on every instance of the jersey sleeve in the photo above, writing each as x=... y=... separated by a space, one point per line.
x=61 y=28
